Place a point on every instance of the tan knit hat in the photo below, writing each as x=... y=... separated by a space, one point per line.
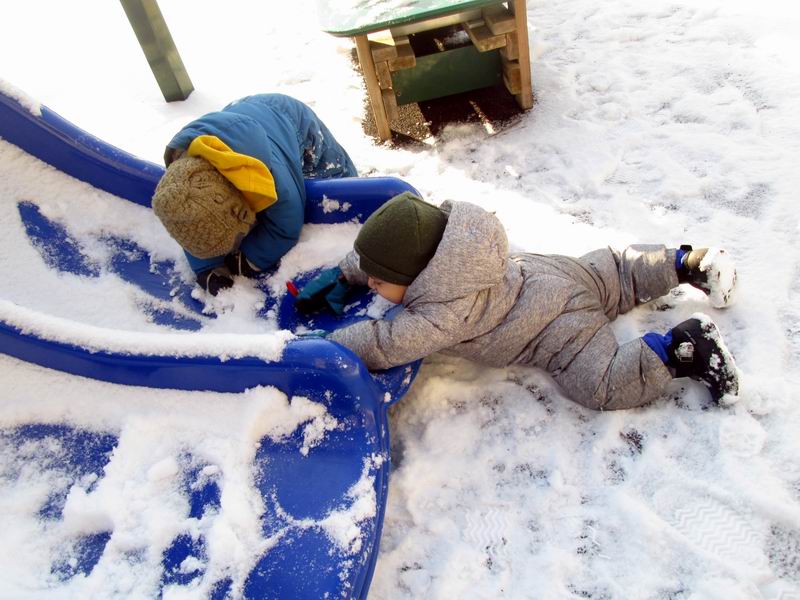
x=201 y=209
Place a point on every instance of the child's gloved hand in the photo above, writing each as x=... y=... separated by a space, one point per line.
x=238 y=264
x=328 y=290
x=214 y=280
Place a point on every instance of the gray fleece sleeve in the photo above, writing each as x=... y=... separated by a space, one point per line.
x=350 y=268
x=412 y=334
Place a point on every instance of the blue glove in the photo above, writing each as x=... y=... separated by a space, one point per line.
x=328 y=290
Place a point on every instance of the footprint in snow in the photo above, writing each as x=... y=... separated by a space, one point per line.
x=715 y=529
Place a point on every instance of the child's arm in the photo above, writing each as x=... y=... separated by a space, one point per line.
x=276 y=231
x=412 y=334
x=267 y=243
x=352 y=272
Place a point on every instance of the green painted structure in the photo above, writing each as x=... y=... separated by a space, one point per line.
x=156 y=41
x=449 y=72
x=366 y=16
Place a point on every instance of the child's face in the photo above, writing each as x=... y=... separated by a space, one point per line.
x=393 y=292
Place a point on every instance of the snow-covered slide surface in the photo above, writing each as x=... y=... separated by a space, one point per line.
x=668 y=121
x=245 y=461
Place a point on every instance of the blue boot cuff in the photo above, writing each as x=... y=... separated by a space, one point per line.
x=659 y=344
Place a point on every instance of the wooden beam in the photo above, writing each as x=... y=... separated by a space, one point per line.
x=382 y=45
x=390 y=104
x=405 y=55
x=499 y=19
x=525 y=97
x=482 y=38
x=511 y=50
x=384 y=75
x=512 y=76
x=373 y=89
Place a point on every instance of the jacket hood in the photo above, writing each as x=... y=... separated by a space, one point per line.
x=471 y=256
x=247 y=174
x=268 y=140
x=242 y=133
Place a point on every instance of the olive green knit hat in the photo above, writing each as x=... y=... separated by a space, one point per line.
x=201 y=209
x=399 y=239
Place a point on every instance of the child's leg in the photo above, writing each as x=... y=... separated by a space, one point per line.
x=581 y=352
x=578 y=347
x=636 y=275
x=604 y=375
x=601 y=374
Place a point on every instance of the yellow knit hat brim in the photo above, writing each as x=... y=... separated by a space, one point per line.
x=247 y=174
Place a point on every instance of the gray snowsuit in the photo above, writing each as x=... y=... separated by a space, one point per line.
x=475 y=301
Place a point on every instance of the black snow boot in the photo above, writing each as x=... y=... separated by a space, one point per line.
x=697 y=351
x=711 y=270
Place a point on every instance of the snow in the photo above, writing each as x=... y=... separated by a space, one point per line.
x=32 y=105
x=721 y=277
x=329 y=205
x=342 y=525
x=685 y=351
x=179 y=344
x=668 y=122
x=138 y=497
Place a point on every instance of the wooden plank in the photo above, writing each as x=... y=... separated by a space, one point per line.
x=382 y=46
x=512 y=76
x=525 y=96
x=390 y=104
x=405 y=56
x=512 y=87
x=382 y=52
x=373 y=89
x=511 y=49
x=384 y=75
x=482 y=38
x=499 y=19
x=449 y=20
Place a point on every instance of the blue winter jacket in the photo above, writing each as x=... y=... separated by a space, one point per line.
x=293 y=143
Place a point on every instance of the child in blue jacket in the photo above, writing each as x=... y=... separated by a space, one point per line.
x=233 y=195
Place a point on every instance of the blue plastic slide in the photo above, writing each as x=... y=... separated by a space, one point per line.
x=304 y=563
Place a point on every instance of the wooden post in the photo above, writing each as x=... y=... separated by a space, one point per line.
x=525 y=97
x=153 y=34
x=373 y=89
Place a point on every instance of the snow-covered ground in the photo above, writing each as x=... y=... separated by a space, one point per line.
x=666 y=121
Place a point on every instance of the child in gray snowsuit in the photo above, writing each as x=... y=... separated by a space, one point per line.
x=463 y=294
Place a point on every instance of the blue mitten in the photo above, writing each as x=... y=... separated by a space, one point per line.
x=337 y=297
x=329 y=290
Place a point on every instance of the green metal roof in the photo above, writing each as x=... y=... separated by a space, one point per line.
x=358 y=17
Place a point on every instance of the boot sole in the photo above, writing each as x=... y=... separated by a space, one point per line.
x=720 y=273
x=729 y=373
